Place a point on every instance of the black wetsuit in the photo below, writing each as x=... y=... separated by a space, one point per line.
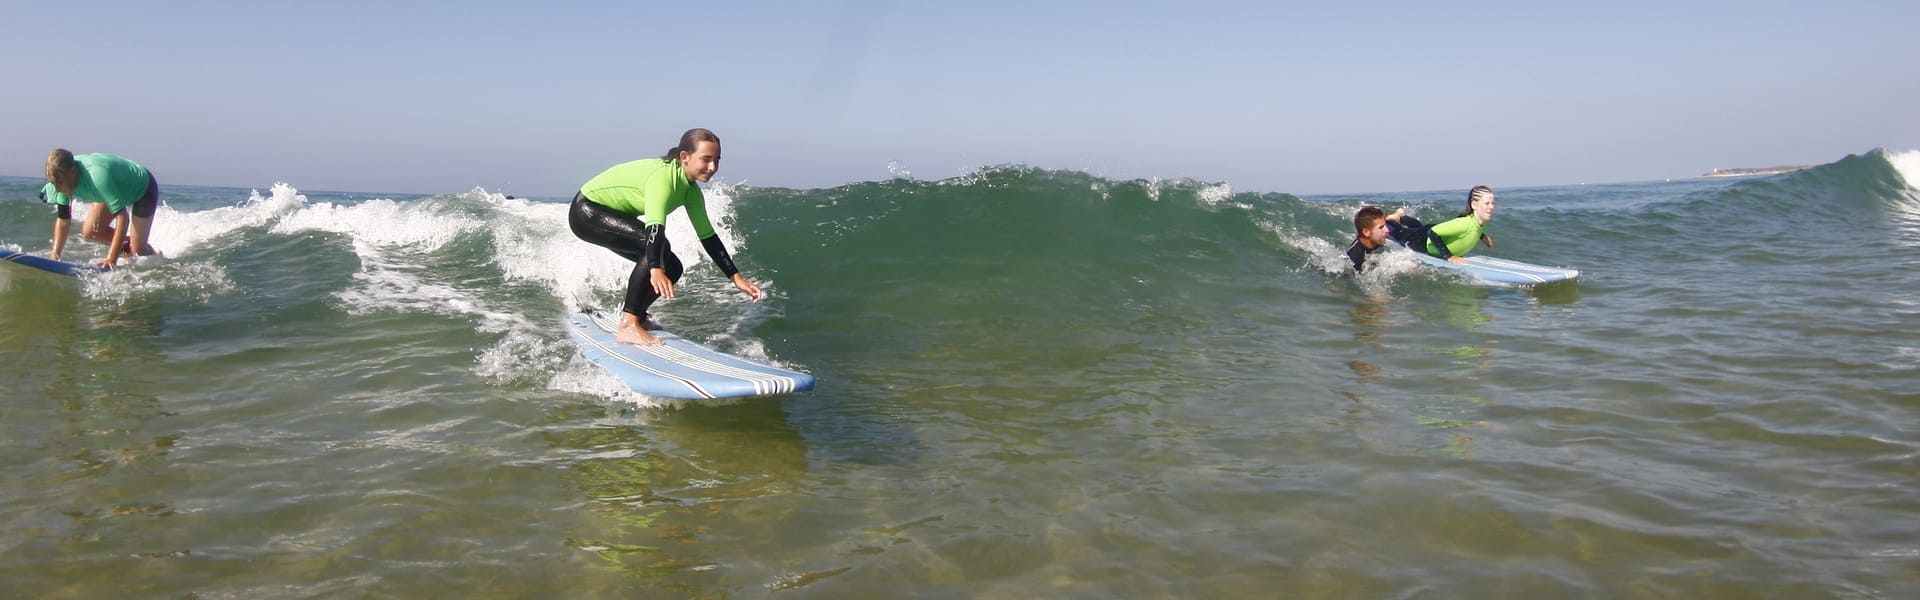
x=628 y=237
x=1358 y=253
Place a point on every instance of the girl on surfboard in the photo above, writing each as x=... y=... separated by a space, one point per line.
x=624 y=209
x=1453 y=238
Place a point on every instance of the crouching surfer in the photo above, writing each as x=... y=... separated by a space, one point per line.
x=116 y=186
x=624 y=209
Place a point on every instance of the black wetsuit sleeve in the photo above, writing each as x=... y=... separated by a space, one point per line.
x=62 y=212
x=1436 y=246
x=718 y=252
x=656 y=246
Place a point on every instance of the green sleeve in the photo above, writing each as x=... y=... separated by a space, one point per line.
x=1460 y=234
x=657 y=195
x=697 y=211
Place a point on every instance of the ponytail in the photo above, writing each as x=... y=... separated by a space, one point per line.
x=688 y=141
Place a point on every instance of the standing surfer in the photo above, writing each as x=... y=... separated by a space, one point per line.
x=624 y=209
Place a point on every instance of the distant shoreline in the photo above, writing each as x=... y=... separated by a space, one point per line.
x=1747 y=172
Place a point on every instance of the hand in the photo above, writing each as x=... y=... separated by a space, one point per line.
x=1457 y=260
x=105 y=263
x=1488 y=239
x=661 y=285
x=752 y=291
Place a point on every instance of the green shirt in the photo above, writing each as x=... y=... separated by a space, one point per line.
x=53 y=196
x=106 y=178
x=1460 y=234
x=650 y=188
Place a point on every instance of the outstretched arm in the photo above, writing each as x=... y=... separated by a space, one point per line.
x=718 y=252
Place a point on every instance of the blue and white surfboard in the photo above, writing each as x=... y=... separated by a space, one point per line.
x=1499 y=270
x=679 y=368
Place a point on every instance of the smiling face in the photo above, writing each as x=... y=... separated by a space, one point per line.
x=1483 y=208
x=702 y=162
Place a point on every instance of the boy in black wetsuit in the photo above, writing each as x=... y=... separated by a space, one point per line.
x=1370 y=234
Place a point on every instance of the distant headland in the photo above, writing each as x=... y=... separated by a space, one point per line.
x=1746 y=172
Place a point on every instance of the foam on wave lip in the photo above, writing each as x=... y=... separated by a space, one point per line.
x=1908 y=164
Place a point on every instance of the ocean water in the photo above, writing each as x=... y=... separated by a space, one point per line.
x=1032 y=383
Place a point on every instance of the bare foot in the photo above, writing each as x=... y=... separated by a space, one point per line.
x=637 y=337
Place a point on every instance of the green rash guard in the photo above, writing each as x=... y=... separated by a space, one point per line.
x=53 y=196
x=106 y=178
x=650 y=188
x=1460 y=234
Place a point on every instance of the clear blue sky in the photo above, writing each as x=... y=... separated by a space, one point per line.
x=533 y=98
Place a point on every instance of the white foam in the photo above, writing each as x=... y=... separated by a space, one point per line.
x=200 y=281
x=1216 y=194
x=177 y=234
x=1908 y=164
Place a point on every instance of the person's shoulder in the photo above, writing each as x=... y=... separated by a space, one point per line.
x=1358 y=253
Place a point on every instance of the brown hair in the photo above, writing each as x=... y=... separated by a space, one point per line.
x=1365 y=219
x=62 y=171
x=690 y=140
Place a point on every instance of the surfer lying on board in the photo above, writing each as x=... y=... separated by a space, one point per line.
x=1453 y=238
x=624 y=209
x=114 y=184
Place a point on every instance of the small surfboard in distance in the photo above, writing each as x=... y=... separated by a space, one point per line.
x=1500 y=270
x=678 y=369
x=58 y=267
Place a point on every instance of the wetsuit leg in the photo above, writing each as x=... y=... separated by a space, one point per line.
x=626 y=236
x=1408 y=231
